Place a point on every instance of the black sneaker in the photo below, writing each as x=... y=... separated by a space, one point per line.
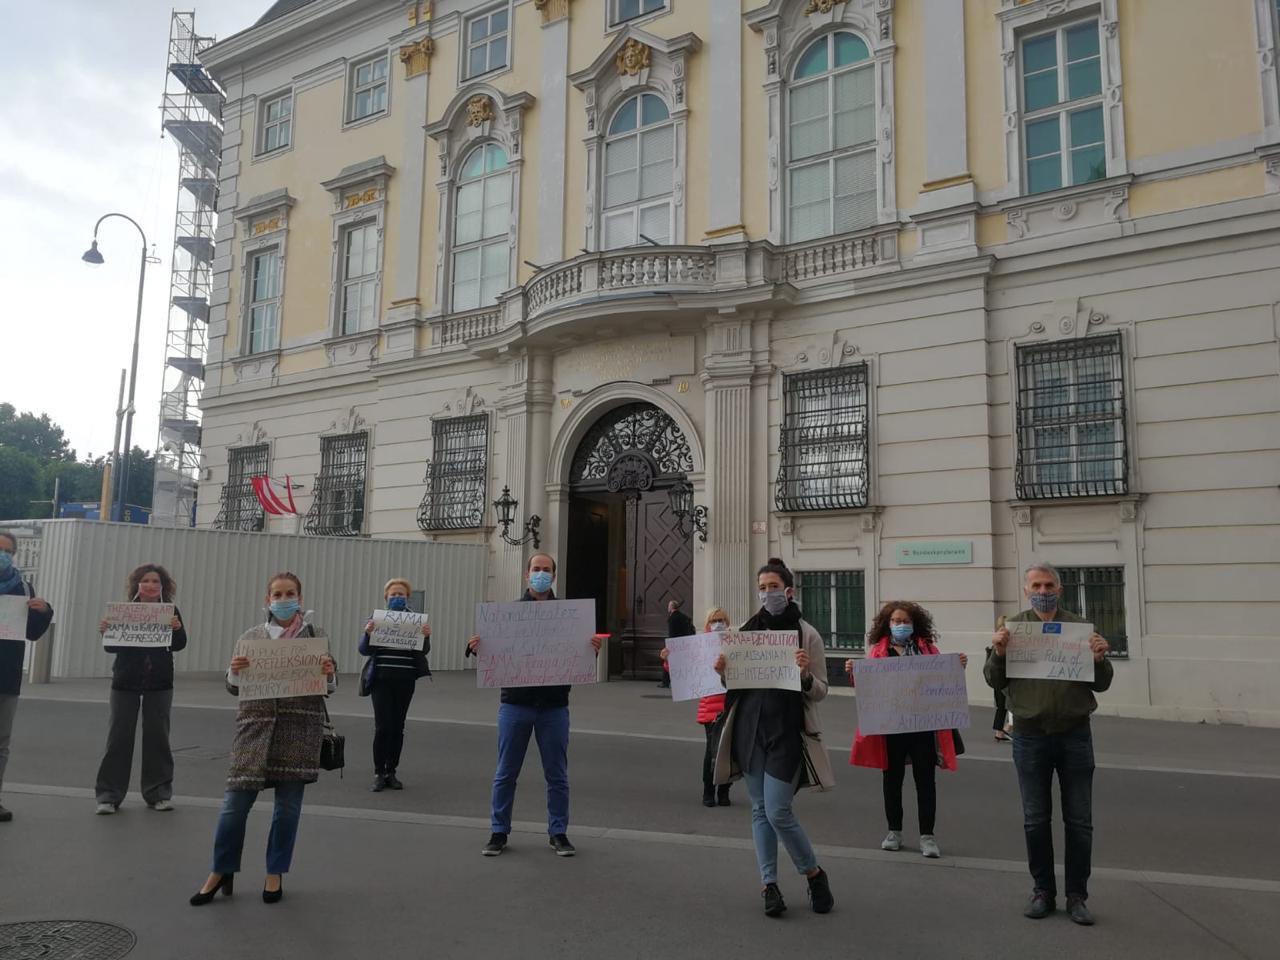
x=722 y=796
x=774 y=905
x=379 y=784
x=5 y=814
x=1040 y=905
x=1078 y=912
x=820 y=897
x=393 y=783
x=561 y=845
x=497 y=843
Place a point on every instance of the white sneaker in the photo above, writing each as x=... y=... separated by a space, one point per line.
x=892 y=841
x=929 y=847
x=105 y=809
x=162 y=805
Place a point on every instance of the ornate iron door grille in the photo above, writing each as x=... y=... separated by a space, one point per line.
x=630 y=449
x=456 y=481
x=823 y=442
x=337 y=506
x=240 y=509
x=1071 y=420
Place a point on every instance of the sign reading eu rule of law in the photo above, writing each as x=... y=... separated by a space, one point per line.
x=138 y=625
x=282 y=667
x=1049 y=650
x=536 y=643
x=911 y=694
x=761 y=659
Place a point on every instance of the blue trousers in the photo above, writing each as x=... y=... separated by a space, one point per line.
x=1036 y=759
x=772 y=818
x=228 y=841
x=550 y=725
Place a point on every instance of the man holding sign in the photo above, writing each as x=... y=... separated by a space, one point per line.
x=1051 y=707
x=541 y=711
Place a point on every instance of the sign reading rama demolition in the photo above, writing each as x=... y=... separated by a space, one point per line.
x=535 y=644
x=282 y=668
x=398 y=629
x=138 y=625
x=755 y=659
x=1049 y=650
x=911 y=694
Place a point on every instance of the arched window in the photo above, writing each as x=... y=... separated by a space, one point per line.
x=639 y=173
x=831 y=139
x=481 y=229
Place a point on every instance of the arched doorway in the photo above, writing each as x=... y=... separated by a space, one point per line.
x=626 y=547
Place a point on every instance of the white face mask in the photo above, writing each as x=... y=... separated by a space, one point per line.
x=719 y=626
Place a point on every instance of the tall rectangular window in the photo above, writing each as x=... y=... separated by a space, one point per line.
x=1071 y=422
x=456 y=481
x=358 y=309
x=240 y=509
x=834 y=601
x=824 y=440
x=487 y=38
x=264 y=300
x=275 y=123
x=368 y=89
x=337 y=506
x=1097 y=594
x=1063 y=137
x=623 y=10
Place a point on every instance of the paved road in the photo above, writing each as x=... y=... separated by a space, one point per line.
x=1187 y=855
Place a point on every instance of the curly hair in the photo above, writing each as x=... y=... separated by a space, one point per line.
x=168 y=586
x=921 y=619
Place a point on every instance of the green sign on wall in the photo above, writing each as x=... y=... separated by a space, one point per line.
x=931 y=552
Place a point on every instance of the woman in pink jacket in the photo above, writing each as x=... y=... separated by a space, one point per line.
x=711 y=717
x=905 y=629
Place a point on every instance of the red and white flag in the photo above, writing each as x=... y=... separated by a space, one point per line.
x=276 y=497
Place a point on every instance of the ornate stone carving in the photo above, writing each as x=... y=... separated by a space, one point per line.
x=251 y=436
x=633 y=57
x=1022 y=516
x=1128 y=511
x=552 y=10
x=479 y=110
x=821 y=6
x=462 y=403
x=416 y=57
x=353 y=422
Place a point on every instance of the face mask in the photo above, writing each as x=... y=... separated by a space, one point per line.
x=774 y=601
x=540 y=582
x=6 y=561
x=397 y=603
x=148 y=593
x=1044 y=602
x=719 y=626
x=902 y=631
x=284 y=610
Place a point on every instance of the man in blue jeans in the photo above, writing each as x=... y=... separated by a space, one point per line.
x=1051 y=733
x=542 y=712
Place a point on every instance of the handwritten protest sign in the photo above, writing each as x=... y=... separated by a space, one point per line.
x=282 y=668
x=692 y=662
x=1049 y=651
x=398 y=629
x=13 y=617
x=761 y=659
x=534 y=644
x=911 y=694
x=138 y=625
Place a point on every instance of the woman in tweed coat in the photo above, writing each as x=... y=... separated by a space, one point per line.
x=277 y=745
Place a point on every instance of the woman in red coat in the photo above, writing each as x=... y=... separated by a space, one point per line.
x=904 y=629
x=711 y=716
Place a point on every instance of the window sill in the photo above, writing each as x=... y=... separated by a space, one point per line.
x=365 y=121
x=256 y=366
x=361 y=347
x=272 y=154
x=1127 y=504
x=1095 y=204
x=612 y=27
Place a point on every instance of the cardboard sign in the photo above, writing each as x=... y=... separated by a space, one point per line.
x=692 y=662
x=761 y=659
x=13 y=617
x=1049 y=651
x=138 y=625
x=536 y=643
x=282 y=668
x=398 y=629
x=911 y=694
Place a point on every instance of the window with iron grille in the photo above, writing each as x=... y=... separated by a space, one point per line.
x=455 y=480
x=834 y=602
x=1071 y=420
x=240 y=509
x=824 y=440
x=1097 y=594
x=337 y=506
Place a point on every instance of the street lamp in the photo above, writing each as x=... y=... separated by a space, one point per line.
x=116 y=508
x=506 y=507
x=681 y=497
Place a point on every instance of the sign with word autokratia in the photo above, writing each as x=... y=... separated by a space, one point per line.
x=911 y=694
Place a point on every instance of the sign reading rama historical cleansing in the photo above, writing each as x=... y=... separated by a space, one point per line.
x=911 y=694
x=138 y=625
x=282 y=668
x=13 y=617
x=693 y=666
x=536 y=643
x=1049 y=650
x=398 y=629
x=761 y=659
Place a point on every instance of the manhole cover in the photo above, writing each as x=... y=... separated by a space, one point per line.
x=64 y=940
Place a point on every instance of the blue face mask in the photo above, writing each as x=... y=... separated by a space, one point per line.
x=397 y=603
x=902 y=631
x=6 y=561
x=774 y=601
x=540 y=581
x=284 y=610
x=1044 y=602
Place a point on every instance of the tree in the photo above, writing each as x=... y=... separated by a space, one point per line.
x=19 y=484
x=38 y=436
x=142 y=474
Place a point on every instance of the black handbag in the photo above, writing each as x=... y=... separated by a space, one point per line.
x=332 y=745
x=956 y=739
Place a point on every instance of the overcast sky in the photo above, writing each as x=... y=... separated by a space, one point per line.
x=80 y=137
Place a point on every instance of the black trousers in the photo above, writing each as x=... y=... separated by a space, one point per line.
x=712 y=731
x=920 y=748
x=1001 y=711
x=391 y=697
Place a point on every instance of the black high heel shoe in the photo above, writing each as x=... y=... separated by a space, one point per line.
x=273 y=896
x=226 y=883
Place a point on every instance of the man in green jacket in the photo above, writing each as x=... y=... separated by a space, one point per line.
x=1051 y=733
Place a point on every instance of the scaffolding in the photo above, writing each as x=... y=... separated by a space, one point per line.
x=191 y=114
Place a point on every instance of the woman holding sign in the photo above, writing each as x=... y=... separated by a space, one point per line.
x=773 y=740
x=277 y=742
x=905 y=629
x=141 y=682
x=390 y=676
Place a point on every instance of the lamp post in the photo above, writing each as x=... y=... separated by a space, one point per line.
x=92 y=256
x=681 y=496
x=506 y=507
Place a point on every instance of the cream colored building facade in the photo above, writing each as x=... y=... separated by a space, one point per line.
x=910 y=293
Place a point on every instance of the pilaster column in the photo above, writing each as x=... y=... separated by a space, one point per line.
x=512 y=407
x=724 y=120
x=553 y=108
x=410 y=185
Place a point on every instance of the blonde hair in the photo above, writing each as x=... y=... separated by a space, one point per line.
x=408 y=587
x=715 y=613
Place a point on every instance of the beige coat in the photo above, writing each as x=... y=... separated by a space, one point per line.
x=816 y=770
